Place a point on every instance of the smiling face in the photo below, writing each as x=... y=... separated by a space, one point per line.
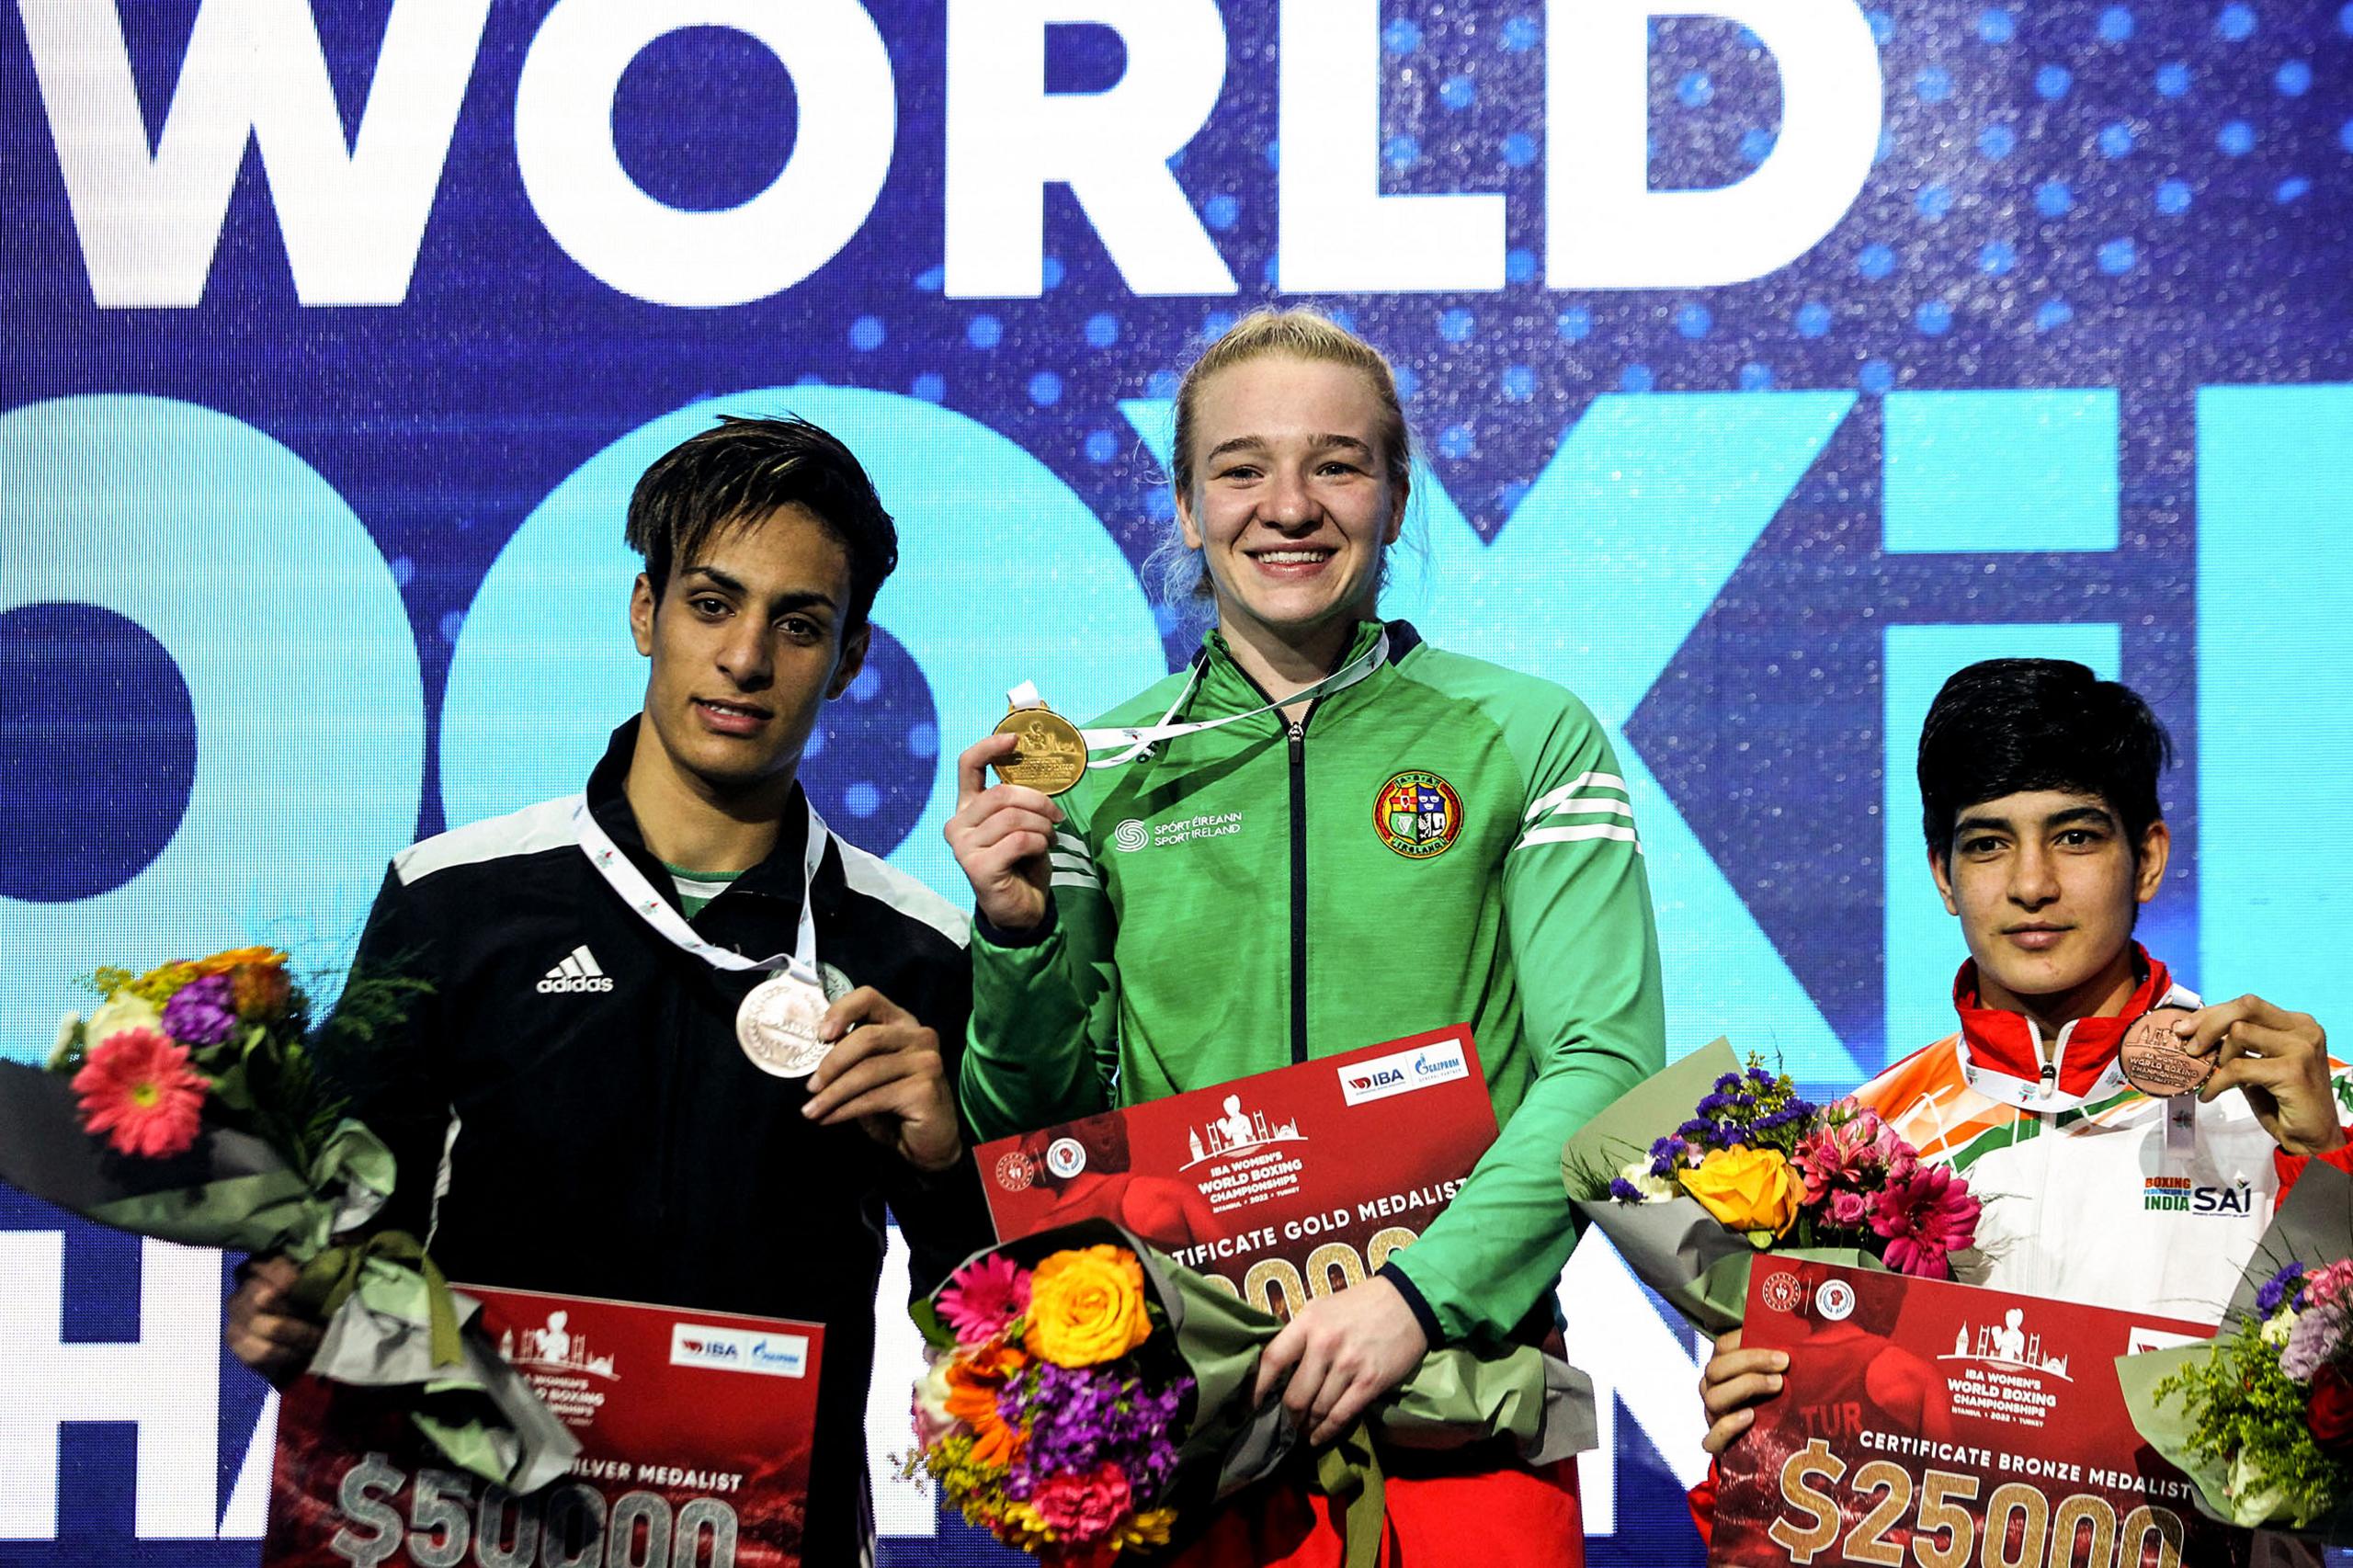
x=1289 y=503
x=747 y=645
x=2046 y=886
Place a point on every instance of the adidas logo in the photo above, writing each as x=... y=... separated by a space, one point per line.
x=578 y=971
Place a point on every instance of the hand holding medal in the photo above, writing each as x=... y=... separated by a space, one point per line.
x=878 y=1066
x=2154 y=1059
x=2279 y=1060
x=1003 y=833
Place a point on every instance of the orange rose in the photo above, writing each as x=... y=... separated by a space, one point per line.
x=1747 y=1189
x=259 y=990
x=221 y=963
x=1087 y=1306
x=258 y=985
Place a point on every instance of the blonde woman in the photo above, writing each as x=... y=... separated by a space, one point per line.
x=1418 y=839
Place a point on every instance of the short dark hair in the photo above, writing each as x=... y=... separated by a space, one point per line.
x=2007 y=725
x=742 y=470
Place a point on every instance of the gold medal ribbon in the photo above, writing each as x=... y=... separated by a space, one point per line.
x=1140 y=738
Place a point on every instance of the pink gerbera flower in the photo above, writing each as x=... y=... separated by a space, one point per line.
x=138 y=1090
x=1925 y=1214
x=982 y=1297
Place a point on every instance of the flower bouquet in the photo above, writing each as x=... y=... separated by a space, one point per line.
x=189 y=1107
x=1087 y=1396
x=2261 y=1417
x=1750 y=1167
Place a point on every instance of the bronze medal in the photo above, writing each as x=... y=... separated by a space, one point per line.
x=2154 y=1060
x=1052 y=756
x=777 y=1026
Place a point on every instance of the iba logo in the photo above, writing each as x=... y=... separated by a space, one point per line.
x=1417 y=815
x=1401 y=1073
x=739 y=1350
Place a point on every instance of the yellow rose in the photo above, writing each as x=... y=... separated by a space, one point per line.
x=1748 y=1189
x=1086 y=1307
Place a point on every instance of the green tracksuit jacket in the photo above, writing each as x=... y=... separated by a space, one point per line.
x=1440 y=841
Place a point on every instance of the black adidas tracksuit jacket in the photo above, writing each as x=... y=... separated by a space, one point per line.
x=610 y=1137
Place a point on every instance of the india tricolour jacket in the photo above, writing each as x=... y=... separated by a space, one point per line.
x=2094 y=1192
x=1438 y=841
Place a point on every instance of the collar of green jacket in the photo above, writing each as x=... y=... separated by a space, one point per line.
x=1225 y=687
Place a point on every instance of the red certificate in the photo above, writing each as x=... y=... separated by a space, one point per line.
x=1285 y=1185
x=695 y=1432
x=1924 y=1422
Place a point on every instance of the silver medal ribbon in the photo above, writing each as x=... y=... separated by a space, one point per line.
x=623 y=876
x=1134 y=742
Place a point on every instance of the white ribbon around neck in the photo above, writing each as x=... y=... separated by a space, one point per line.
x=621 y=873
x=1140 y=738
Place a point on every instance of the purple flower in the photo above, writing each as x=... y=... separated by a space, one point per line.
x=2311 y=1342
x=1712 y=1105
x=2276 y=1289
x=202 y=1012
x=1082 y=1417
x=1625 y=1191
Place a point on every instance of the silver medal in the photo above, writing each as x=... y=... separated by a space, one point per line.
x=777 y=1025
x=837 y=984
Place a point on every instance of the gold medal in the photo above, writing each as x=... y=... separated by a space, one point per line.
x=1052 y=756
x=2154 y=1060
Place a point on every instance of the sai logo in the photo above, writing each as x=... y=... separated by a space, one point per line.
x=1065 y=1157
x=1417 y=815
x=1131 y=835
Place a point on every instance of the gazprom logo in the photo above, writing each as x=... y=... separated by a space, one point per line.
x=1402 y=1072
x=739 y=1350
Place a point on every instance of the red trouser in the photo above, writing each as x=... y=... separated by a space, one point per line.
x=1501 y=1518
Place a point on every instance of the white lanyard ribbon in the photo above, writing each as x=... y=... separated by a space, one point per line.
x=1143 y=737
x=621 y=874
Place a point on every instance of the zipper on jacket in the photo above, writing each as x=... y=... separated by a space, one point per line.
x=1295 y=731
x=1298 y=885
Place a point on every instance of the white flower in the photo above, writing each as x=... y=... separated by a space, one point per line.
x=1654 y=1189
x=68 y=1034
x=119 y=1012
x=2279 y=1326
x=931 y=1417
